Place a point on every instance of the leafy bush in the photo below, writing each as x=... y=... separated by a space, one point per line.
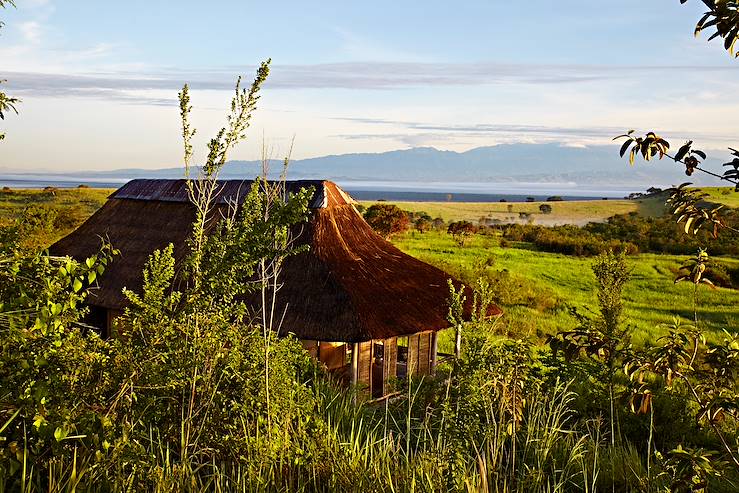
x=664 y=235
x=386 y=219
x=507 y=288
x=568 y=240
x=438 y=223
x=461 y=231
x=422 y=224
x=630 y=233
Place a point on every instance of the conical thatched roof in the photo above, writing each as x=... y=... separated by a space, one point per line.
x=351 y=285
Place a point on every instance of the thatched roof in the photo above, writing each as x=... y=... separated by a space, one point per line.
x=351 y=285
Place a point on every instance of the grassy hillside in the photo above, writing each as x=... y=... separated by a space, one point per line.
x=88 y=200
x=723 y=195
x=567 y=212
x=651 y=296
x=57 y=212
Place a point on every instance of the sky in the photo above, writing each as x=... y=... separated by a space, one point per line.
x=99 y=80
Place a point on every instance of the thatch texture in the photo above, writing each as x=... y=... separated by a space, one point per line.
x=352 y=285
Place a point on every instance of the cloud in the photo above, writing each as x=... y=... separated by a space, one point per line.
x=60 y=85
x=414 y=139
x=492 y=128
x=31 y=31
x=152 y=87
x=430 y=134
x=357 y=76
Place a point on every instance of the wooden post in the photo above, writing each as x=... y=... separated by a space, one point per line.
x=355 y=363
x=458 y=342
x=389 y=363
x=434 y=348
x=412 y=364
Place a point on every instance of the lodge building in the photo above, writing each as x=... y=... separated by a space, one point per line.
x=368 y=311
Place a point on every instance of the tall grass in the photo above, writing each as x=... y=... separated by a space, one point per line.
x=359 y=447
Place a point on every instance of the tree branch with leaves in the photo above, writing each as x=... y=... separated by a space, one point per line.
x=7 y=104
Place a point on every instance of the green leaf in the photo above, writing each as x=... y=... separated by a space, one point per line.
x=625 y=147
x=77 y=285
x=709 y=283
x=688 y=223
x=60 y=434
x=683 y=151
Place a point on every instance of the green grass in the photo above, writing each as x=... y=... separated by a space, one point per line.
x=651 y=297
x=572 y=212
x=12 y=202
x=723 y=195
x=73 y=204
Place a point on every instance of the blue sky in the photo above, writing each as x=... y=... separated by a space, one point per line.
x=99 y=79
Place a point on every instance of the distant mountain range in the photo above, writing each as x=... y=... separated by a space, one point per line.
x=542 y=164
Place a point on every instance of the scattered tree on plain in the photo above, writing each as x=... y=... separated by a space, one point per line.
x=386 y=219
x=461 y=231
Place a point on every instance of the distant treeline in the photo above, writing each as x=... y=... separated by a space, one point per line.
x=630 y=233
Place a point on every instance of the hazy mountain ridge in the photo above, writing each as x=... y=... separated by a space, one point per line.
x=531 y=163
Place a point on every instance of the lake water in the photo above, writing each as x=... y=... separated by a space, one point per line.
x=386 y=190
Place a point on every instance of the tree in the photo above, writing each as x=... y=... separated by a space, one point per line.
x=386 y=219
x=722 y=17
x=545 y=209
x=712 y=384
x=461 y=231
x=422 y=224
x=7 y=103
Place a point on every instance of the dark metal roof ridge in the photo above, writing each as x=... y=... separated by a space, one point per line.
x=175 y=190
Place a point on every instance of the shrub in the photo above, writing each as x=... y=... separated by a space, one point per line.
x=438 y=223
x=422 y=224
x=567 y=239
x=386 y=219
x=461 y=231
x=664 y=235
x=545 y=209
